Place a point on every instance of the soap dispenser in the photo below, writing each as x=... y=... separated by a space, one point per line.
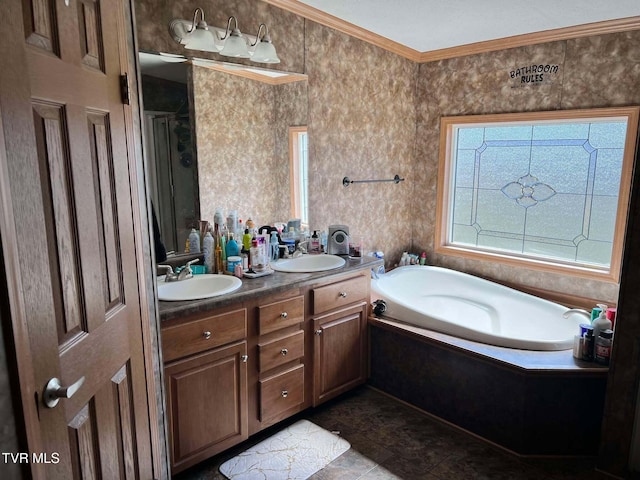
x=315 y=243
x=602 y=322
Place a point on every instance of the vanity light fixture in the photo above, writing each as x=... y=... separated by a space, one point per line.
x=234 y=43
x=230 y=42
x=195 y=36
x=264 y=51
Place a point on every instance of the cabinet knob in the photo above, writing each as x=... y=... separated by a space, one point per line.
x=284 y=314
x=206 y=334
x=318 y=332
x=343 y=294
x=284 y=393
x=244 y=358
x=284 y=351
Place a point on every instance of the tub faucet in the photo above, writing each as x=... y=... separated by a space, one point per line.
x=579 y=311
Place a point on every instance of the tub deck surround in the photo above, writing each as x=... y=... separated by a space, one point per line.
x=261 y=286
x=531 y=403
x=470 y=307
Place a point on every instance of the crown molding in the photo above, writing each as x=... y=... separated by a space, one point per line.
x=318 y=16
x=566 y=33
x=554 y=35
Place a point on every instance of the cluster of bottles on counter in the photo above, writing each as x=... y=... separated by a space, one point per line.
x=595 y=338
x=231 y=247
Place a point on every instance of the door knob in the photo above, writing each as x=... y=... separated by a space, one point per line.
x=54 y=391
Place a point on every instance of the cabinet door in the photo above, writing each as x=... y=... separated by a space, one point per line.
x=339 y=352
x=207 y=404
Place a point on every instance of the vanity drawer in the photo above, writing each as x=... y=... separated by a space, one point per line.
x=281 y=314
x=281 y=350
x=335 y=295
x=281 y=392
x=203 y=334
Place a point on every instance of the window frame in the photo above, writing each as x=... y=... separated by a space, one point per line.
x=449 y=125
x=295 y=173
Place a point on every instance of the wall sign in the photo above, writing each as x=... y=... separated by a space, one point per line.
x=533 y=75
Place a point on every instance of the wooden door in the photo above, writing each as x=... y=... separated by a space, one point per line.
x=69 y=234
x=339 y=352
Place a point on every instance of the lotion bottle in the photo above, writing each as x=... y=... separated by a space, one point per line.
x=602 y=322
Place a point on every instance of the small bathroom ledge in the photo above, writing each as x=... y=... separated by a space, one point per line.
x=525 y=360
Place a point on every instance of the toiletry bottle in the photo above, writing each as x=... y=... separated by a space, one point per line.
x=218 y=218
x=194 y=241
x=323 y=241
x=315 y=243
x=257 y=258
x=219 y=265
x=246 y=239
x=423 y=258
x=240 y=230
x=233 y=250
x=274 y=246
x=209 y=252
x=601 y=323
x=251 y=226
x=603 y=347
x=611 y=315
x=223 y=248
x=588 y=344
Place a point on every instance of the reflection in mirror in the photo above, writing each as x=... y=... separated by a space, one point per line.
x=238 y=118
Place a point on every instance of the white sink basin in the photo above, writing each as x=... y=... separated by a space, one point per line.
x=308 y=263
x=198 y=287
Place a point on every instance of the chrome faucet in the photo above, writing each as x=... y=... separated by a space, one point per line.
x=300 y=250
x=186 y=272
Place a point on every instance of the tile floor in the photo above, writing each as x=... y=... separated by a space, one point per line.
x=390 y=440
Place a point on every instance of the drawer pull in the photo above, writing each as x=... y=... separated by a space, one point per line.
x=318 y=332
x=284 y=315
x=343 y=294
x=244 y=358
x=284 y=351
x=284 y=394
x=206 y=334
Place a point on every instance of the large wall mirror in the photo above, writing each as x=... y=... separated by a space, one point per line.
x=217 y=136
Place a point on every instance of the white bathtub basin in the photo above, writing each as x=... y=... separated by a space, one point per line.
x=308 y=263
x=198 y=287
x=475 y=309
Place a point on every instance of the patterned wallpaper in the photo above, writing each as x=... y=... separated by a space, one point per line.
x=361 y=125
x=373 y=114
x=592 y=72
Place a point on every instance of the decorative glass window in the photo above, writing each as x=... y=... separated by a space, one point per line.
x=545 y=189
x=299 y=177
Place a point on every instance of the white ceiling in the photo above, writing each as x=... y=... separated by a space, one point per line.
x=427 y=25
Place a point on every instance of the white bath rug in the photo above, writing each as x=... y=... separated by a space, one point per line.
x=295 y=453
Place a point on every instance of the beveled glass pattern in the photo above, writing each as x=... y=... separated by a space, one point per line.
x=546 y=190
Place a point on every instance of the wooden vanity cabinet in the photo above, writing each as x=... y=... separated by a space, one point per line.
x=340 y=337
x=206 y=386
x=234 y=371
x=282 y=359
